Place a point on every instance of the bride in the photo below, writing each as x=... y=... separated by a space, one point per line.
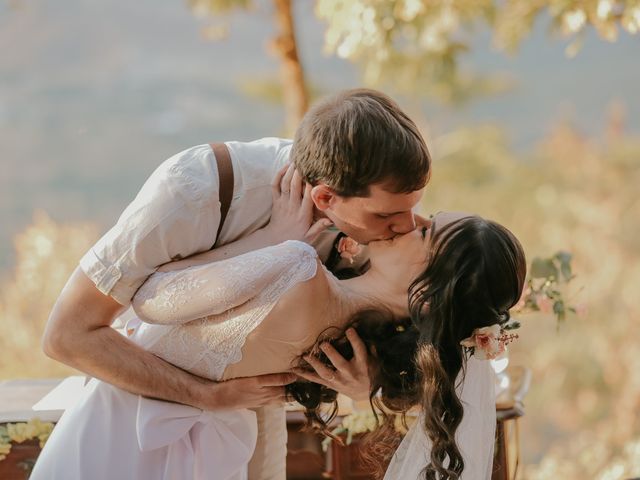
x=265 y=311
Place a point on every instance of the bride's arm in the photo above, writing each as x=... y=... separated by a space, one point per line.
x=215 y=281
x=181 y=296
x=259 y=239
x=291 y=219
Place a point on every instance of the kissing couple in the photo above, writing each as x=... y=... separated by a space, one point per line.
x=274 y=270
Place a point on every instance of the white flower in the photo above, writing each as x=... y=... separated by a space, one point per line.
x=487 y=342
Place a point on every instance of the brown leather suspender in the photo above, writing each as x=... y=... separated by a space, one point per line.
x=225 y=176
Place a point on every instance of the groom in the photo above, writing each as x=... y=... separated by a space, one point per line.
x=368 y=165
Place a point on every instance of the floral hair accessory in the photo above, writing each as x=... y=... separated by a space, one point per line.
x=488 y=342
x=348 y=248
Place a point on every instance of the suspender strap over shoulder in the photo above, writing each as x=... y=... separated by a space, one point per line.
x=225 y=176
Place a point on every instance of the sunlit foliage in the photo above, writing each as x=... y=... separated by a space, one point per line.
x=46 y=254
x=415 y=45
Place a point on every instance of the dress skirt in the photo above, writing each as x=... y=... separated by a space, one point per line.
x=112 y=434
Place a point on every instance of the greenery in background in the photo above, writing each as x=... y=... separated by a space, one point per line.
x=415 y=46
x=46 y=255
x=544 y=289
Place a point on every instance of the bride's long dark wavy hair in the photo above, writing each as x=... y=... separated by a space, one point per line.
x=474 y=276
x=476 y=273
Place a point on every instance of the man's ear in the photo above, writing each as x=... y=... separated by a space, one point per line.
x=323 y=196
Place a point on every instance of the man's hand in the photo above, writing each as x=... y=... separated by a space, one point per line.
x=249 y=392
x=349 y=377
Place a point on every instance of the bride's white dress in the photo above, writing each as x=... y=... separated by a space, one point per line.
x=202 y=317
x=199 y=319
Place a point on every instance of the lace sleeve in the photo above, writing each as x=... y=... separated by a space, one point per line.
x=475 y=435
x=181 y=296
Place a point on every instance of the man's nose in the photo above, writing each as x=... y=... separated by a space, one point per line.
x=403 y=223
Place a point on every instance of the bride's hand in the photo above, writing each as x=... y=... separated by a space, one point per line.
x=349 y=377
x=292 y=211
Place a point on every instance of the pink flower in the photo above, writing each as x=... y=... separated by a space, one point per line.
x=486 y=342
x=544 y=303
x=582 y=310
x=348 y=248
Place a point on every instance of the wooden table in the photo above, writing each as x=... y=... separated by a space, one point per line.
x=16 y=399
x=505 y=461
x=307 y=461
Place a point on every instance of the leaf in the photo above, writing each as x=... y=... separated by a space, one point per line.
x=563 y=257
x=513 y=325
x=543 y=268
x=565 y=269
x=559 y=310
x=565 y=264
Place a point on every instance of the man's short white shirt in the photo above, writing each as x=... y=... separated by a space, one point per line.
x=177 y=213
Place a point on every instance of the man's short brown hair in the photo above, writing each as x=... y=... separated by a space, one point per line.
x=358 y=138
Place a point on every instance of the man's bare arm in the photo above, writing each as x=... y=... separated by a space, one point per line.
x=78 y=333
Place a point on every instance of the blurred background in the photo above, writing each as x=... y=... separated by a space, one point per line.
x=530 y=109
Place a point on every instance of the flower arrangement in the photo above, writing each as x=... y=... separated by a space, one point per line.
x=21 y=432
x=363 y=421
x=544 y=287
x=489 y=342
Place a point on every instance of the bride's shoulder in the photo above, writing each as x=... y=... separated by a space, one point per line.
x=299 y=248
x=307 y=258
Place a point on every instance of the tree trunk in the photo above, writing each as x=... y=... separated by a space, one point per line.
x=294 y=91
